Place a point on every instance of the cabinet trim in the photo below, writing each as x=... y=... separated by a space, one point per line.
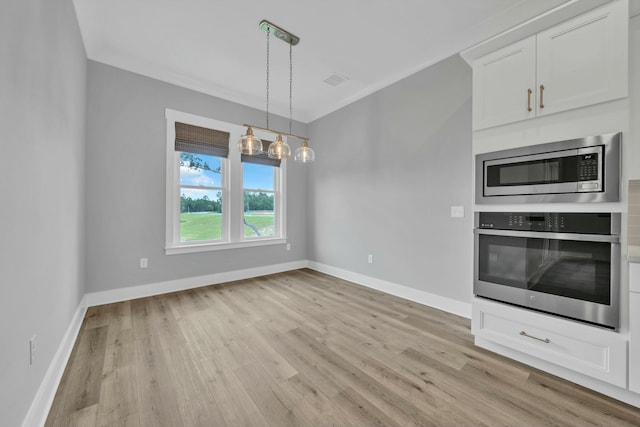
x=532 y=26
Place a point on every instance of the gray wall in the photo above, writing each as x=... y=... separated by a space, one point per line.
x=388 y=169
x=42 y=122
x=126 y=145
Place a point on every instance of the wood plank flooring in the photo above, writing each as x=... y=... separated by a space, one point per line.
x=303 y=349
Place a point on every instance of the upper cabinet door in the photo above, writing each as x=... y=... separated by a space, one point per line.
x=583 y=61
x=504 y=85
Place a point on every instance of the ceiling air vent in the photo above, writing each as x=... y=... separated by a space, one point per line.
x=335 y=79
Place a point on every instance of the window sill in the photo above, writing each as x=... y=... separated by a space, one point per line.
x=204 y=247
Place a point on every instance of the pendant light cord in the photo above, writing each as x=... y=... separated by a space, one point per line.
x=290 y=85
x=268 y=37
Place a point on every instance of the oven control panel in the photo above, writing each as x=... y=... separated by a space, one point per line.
x=573 y=222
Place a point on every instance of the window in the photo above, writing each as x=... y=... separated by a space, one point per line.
x=259 y=183
x=200 y=197
x=201 y=155
x=216 y=198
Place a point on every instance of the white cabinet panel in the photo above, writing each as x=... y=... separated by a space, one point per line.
x=634 y=277
x=583 y=61
x=504 y=85
x=589 y=350
x=634 y=327
x=634 y=341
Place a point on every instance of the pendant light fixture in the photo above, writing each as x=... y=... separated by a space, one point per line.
x=279 y=149
x=304 y=154
x=250 y=144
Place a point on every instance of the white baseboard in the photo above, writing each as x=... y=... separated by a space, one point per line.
x=436 y=301
x=39 y=410
x=141 y=291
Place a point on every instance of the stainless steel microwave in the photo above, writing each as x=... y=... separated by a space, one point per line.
x=577 y=170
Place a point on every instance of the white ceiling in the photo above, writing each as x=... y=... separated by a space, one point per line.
x=216 y=46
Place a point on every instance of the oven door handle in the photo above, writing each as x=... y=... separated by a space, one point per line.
x=606 y=238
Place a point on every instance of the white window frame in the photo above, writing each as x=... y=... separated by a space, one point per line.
x=232 y=192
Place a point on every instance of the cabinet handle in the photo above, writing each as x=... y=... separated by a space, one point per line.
x=529 y=92
x=541 y=96
x=545 y=340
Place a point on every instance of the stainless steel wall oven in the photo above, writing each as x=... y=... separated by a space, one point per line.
x=566 y=264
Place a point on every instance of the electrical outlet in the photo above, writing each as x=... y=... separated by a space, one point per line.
x=32 y=350
x=144 y=262
x=288 y=246
x=370 y=259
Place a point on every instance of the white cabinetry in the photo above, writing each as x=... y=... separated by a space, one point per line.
x=589 y=350
x=584 y=61
x=634 y=327
x=580 y=62
x=503 y=84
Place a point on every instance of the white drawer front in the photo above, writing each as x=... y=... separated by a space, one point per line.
x=589 y=350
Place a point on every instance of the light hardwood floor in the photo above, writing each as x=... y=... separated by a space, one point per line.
x=303 y=349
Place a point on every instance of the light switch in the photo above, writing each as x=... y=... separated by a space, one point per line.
x=457 y=211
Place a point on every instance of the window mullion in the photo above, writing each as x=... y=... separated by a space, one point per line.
x=225 y=200
x=176 y=198
x=236 y=195
x=253 y=190
x=281 y=201
x=200 y=187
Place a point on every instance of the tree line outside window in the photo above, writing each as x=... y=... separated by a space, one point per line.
x=252 y=202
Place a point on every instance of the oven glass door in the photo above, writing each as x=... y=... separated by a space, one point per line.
x=568 y=268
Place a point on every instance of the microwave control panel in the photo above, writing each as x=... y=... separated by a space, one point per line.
x=589 y=177
x=588 y=167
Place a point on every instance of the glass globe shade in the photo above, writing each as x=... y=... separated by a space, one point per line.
x=250 y=144
x=304 y=154
x=279 y=149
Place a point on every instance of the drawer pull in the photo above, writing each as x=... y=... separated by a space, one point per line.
x=524 y=334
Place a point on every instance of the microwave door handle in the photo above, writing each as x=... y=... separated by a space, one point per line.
x=551 y=235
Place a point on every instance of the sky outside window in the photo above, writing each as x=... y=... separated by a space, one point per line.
x=258 y=177
x=204 y=174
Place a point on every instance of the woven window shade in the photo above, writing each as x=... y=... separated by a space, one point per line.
x=262 y=158
x=199 y=140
